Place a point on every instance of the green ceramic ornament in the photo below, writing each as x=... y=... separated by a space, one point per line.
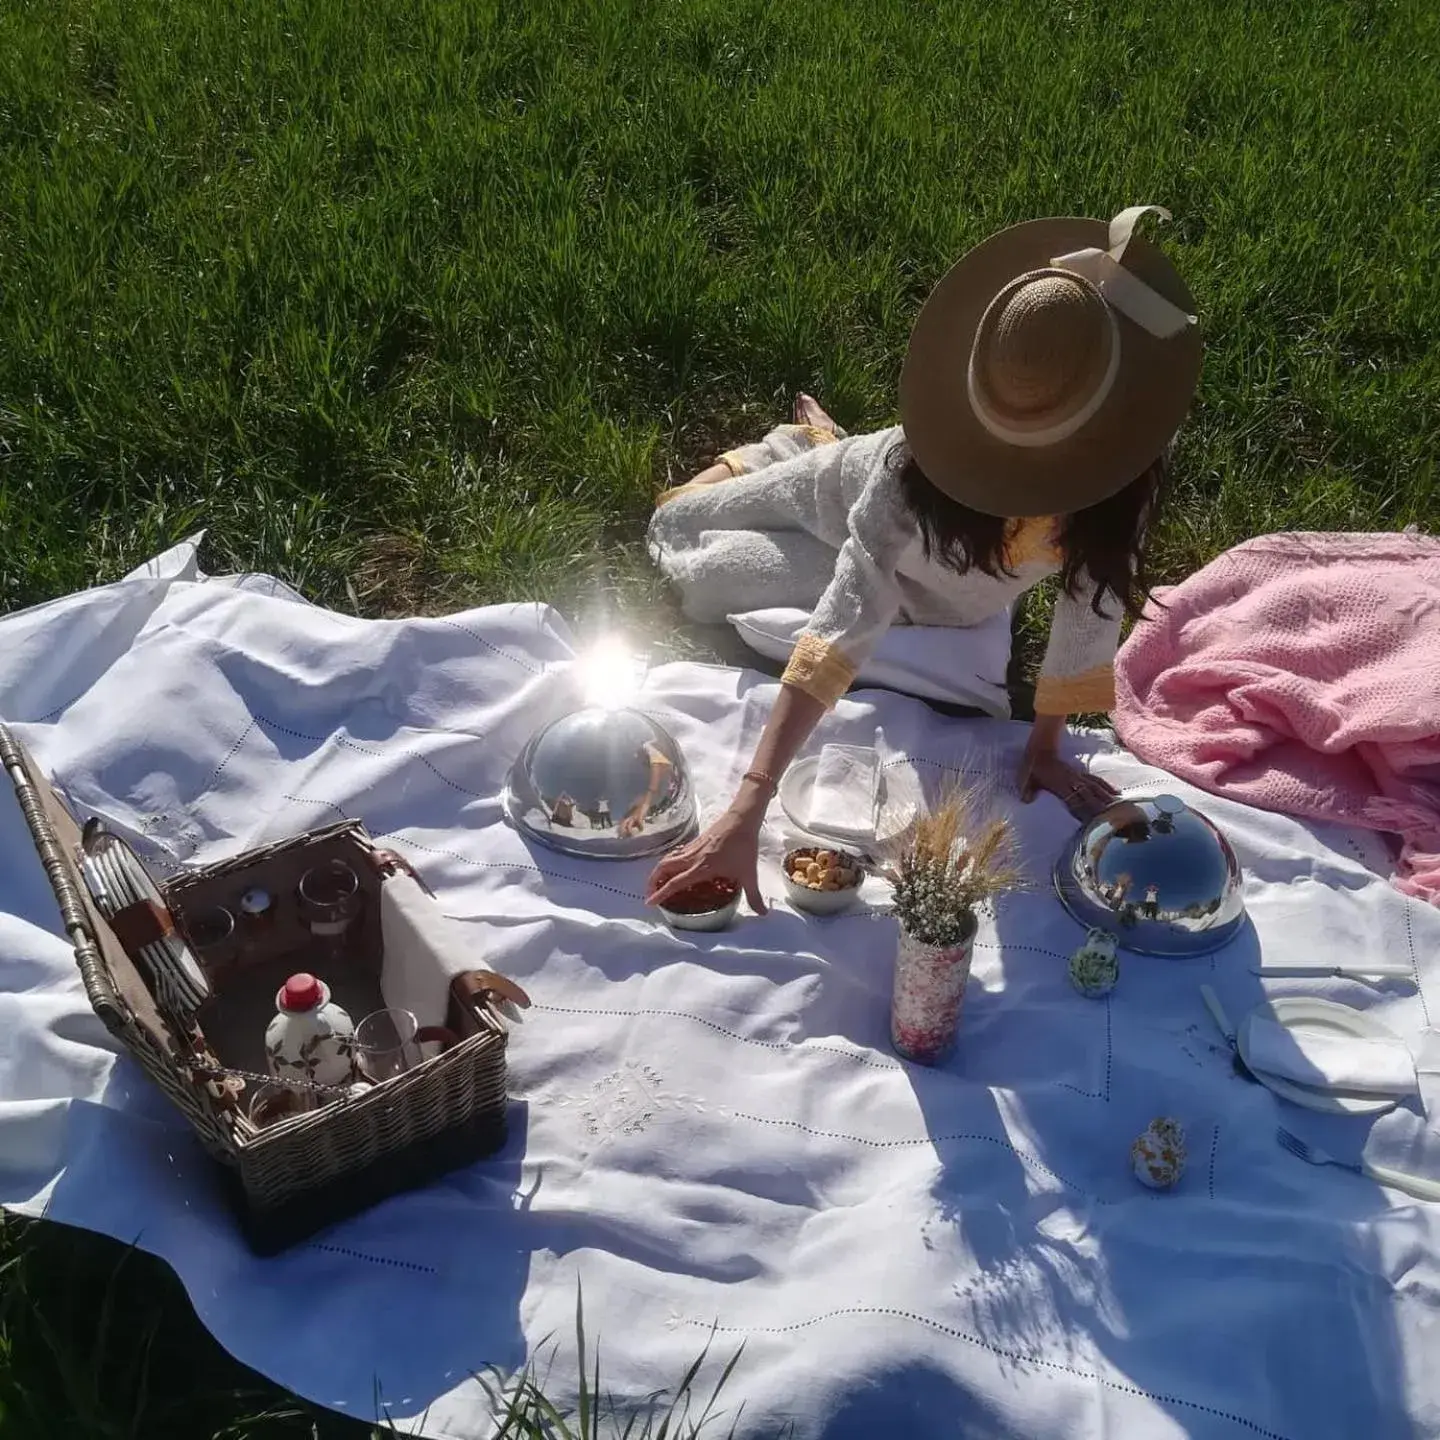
x=1095 y=966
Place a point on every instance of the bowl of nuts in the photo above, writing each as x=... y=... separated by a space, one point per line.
x=822 y=881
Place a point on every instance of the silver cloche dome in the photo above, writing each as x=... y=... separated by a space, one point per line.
x=1156 y=874
x=607 y=784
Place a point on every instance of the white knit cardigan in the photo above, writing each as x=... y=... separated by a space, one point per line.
x=814 y=520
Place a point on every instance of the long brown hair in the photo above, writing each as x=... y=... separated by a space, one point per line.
x=1104 y=542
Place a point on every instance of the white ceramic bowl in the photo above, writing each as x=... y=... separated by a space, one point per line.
x=822 y=902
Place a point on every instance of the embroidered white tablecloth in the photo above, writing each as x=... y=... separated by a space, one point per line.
x=710 y=1131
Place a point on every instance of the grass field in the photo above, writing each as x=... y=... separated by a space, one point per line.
x=417 y=303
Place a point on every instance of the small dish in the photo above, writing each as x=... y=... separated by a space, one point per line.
x=899 y=802
x=707 y=915
x=843 y=864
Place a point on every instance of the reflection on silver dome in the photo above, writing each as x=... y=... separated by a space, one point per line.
x=1156 y=874
x=609 y=784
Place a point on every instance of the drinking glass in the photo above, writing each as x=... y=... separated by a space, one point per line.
x=387 y=1042
x=212 y=933
x=330 y=900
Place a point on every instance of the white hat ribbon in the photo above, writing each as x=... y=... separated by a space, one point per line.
x=1122 y=288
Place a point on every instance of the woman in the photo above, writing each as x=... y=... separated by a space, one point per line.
x=1044 y=379
x=661 y=773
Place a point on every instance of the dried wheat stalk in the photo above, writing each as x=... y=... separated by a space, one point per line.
x=958 y=856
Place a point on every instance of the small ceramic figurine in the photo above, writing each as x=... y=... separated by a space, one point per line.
x=310 y=1038
x=1158 y=1155
x=1095 y=967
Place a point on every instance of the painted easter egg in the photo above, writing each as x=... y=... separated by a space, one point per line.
x=1158 y=1154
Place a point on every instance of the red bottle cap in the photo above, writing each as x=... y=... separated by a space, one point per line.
x=301 y=992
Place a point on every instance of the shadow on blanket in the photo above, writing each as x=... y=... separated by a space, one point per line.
x=1057 y=1251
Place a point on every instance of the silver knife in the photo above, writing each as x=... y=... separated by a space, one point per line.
x=1398 y=972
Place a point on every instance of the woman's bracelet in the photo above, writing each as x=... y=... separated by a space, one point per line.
x=761 y=777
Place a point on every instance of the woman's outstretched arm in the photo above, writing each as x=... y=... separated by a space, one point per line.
x=1077 y=677
x=729 y=849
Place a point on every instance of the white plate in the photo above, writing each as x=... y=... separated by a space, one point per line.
x=1304 y=1012
x=898 y=802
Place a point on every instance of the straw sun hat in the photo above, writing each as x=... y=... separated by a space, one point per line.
x=1050 y=366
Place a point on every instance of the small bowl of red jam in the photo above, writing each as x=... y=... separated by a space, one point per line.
x=710 y=905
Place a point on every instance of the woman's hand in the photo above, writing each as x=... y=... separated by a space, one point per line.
x=728 y=850
x=1083 y=794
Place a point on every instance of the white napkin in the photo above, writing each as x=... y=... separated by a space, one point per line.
x=1326 y=1061
x=424 y=950
x=842 y=799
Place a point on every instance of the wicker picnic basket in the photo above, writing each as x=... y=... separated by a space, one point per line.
x=289 y=1178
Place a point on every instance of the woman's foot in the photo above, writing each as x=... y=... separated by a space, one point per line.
x=808 y=412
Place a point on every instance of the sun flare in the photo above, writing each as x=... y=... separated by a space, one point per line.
x=609 y=672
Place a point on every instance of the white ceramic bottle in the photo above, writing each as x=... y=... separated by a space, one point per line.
x=310 y=1038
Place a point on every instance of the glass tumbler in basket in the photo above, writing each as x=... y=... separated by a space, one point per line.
x=387 y=1043
x=213 y=934
x=330 y=898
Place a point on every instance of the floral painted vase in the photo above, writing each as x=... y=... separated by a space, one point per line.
x=928 y=991
x=310 y=1038
x=1095 y=966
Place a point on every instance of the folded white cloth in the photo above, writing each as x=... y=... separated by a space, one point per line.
x=424 y=950
x=960 y=665
x=1325 y=1061
x=842 y=799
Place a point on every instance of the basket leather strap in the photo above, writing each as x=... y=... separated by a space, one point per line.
x=140 y=924
x=476 y=984
x=390 y=862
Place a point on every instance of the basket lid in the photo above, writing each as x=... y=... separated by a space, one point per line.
x=113 y=985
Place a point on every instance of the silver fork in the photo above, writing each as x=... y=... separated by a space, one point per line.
x=1416 y=1185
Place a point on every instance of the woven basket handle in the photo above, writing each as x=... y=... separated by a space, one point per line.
x=100 y=989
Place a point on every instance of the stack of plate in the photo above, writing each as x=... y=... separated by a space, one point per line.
x=117 y=880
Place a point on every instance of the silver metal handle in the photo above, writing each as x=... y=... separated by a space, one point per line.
x=1399 y=972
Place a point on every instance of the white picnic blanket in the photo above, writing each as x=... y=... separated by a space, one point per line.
x=709 y=1132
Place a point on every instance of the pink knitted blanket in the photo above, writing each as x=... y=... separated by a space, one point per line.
x=1301 y=673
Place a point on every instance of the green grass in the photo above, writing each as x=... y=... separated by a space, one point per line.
x=98 y=1341
x=415 y=303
